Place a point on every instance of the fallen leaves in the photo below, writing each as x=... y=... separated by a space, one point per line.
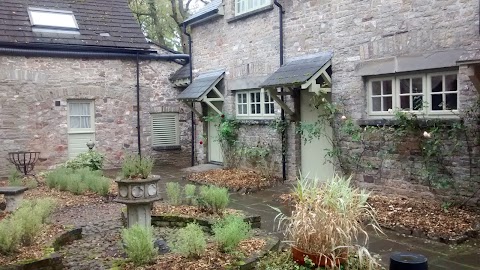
x=189 y=211
x=235 y=179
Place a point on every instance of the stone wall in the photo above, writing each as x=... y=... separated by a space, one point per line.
x=356 y=31
x=31 y=120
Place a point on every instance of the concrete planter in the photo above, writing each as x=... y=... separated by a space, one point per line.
x=138 y=195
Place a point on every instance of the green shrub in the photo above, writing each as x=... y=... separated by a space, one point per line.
x=190 y=241
x=24 y=224
x=90 y=159
x=228 y=232
x=133 y=166
x=190 y=197
x=139 y=244
x=214 y=198
x=78 y=181
x=174 y=193
x=10 y=235
x=15 y=178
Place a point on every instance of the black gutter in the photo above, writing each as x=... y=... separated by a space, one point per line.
x=284 y=131
x=138 y=110
x=191 y=80
x=85 y=54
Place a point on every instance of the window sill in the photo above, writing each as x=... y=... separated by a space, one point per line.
x=250 y=14
x=167 y=148
x=422 y=122
x=253 y=122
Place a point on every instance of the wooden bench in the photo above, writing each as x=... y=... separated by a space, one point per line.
x=13 y=197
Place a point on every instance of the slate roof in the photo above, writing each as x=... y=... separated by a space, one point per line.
x=298 y=70
x=182 y=73
x=201 y=85
x=209 y=9
x=93 y=18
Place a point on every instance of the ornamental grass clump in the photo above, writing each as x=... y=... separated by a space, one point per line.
x=174 y=193
x=190 y=197
x=78 y=181
x=190 y=241
x=134 y=167
x=229 y=231
x=21 y=227
x=328 y=217
x=139 y=244
x=213 y=198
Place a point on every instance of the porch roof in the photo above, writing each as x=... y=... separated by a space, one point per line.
x=201 y=85
x=298 y=70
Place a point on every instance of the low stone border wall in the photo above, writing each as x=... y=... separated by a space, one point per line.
x=182 y=221
x=272 y=244
x=52 y=262
x=420 y=234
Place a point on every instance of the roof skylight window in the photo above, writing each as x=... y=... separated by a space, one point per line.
x=52 y=19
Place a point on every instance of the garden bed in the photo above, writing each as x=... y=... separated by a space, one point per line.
x=40 y=248
x=244 y=257
x=424 y=218
x=180 y=216
x=236 y=180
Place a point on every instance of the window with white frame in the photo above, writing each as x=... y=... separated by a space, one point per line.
x=165 y=129
x=244 y=6
x=53 y=19
x=254 y=104
x=80 y=115
x=429 y=93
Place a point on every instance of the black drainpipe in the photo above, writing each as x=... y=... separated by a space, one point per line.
x=191 y=81
x=138 y=109
x=284 y=131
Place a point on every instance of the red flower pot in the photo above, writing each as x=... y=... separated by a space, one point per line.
x=319 y=260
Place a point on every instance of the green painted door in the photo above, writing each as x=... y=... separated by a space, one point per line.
x=215 y=154
x=314 y=161
x=81 y=126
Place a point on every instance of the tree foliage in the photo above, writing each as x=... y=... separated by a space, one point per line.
x=160 y=20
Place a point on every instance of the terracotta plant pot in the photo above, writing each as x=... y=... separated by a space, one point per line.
x=319 y=260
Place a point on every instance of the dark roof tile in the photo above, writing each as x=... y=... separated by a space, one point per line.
x=298 y=70
x=93 y=17
x=201 y=85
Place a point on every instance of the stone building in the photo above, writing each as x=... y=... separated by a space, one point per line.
x=371 y=56
x=70 y=72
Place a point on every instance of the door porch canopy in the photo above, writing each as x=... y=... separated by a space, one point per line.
x=311 y=72
x=205 y=89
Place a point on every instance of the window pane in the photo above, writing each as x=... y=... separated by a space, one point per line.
x=387 y=87
x=75 y=122
x=52 y=18
x=387 y=103
x=451 y=82
x=405 y=102
x=79 y=108
x=436 y=83
x=376 y=88
x=258 y=108
x=404 y=86
x=437 y=102
x=451 y=100
x=376 y=104
x=244 y=109
x=257 y=97
x=417 y=85
x=85 y=122
x=417 y=103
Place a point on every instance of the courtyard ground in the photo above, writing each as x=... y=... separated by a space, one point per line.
x=102 y=224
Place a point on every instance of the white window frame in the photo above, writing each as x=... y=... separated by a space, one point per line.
x=426 y=93
x=32 y=10
x=263 y=114
x=245 y=6
x=92 y=116
x=398 y=94
x=370 y=103
x=176 y=129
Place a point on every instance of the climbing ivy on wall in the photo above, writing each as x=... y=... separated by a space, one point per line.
x=427 y=146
